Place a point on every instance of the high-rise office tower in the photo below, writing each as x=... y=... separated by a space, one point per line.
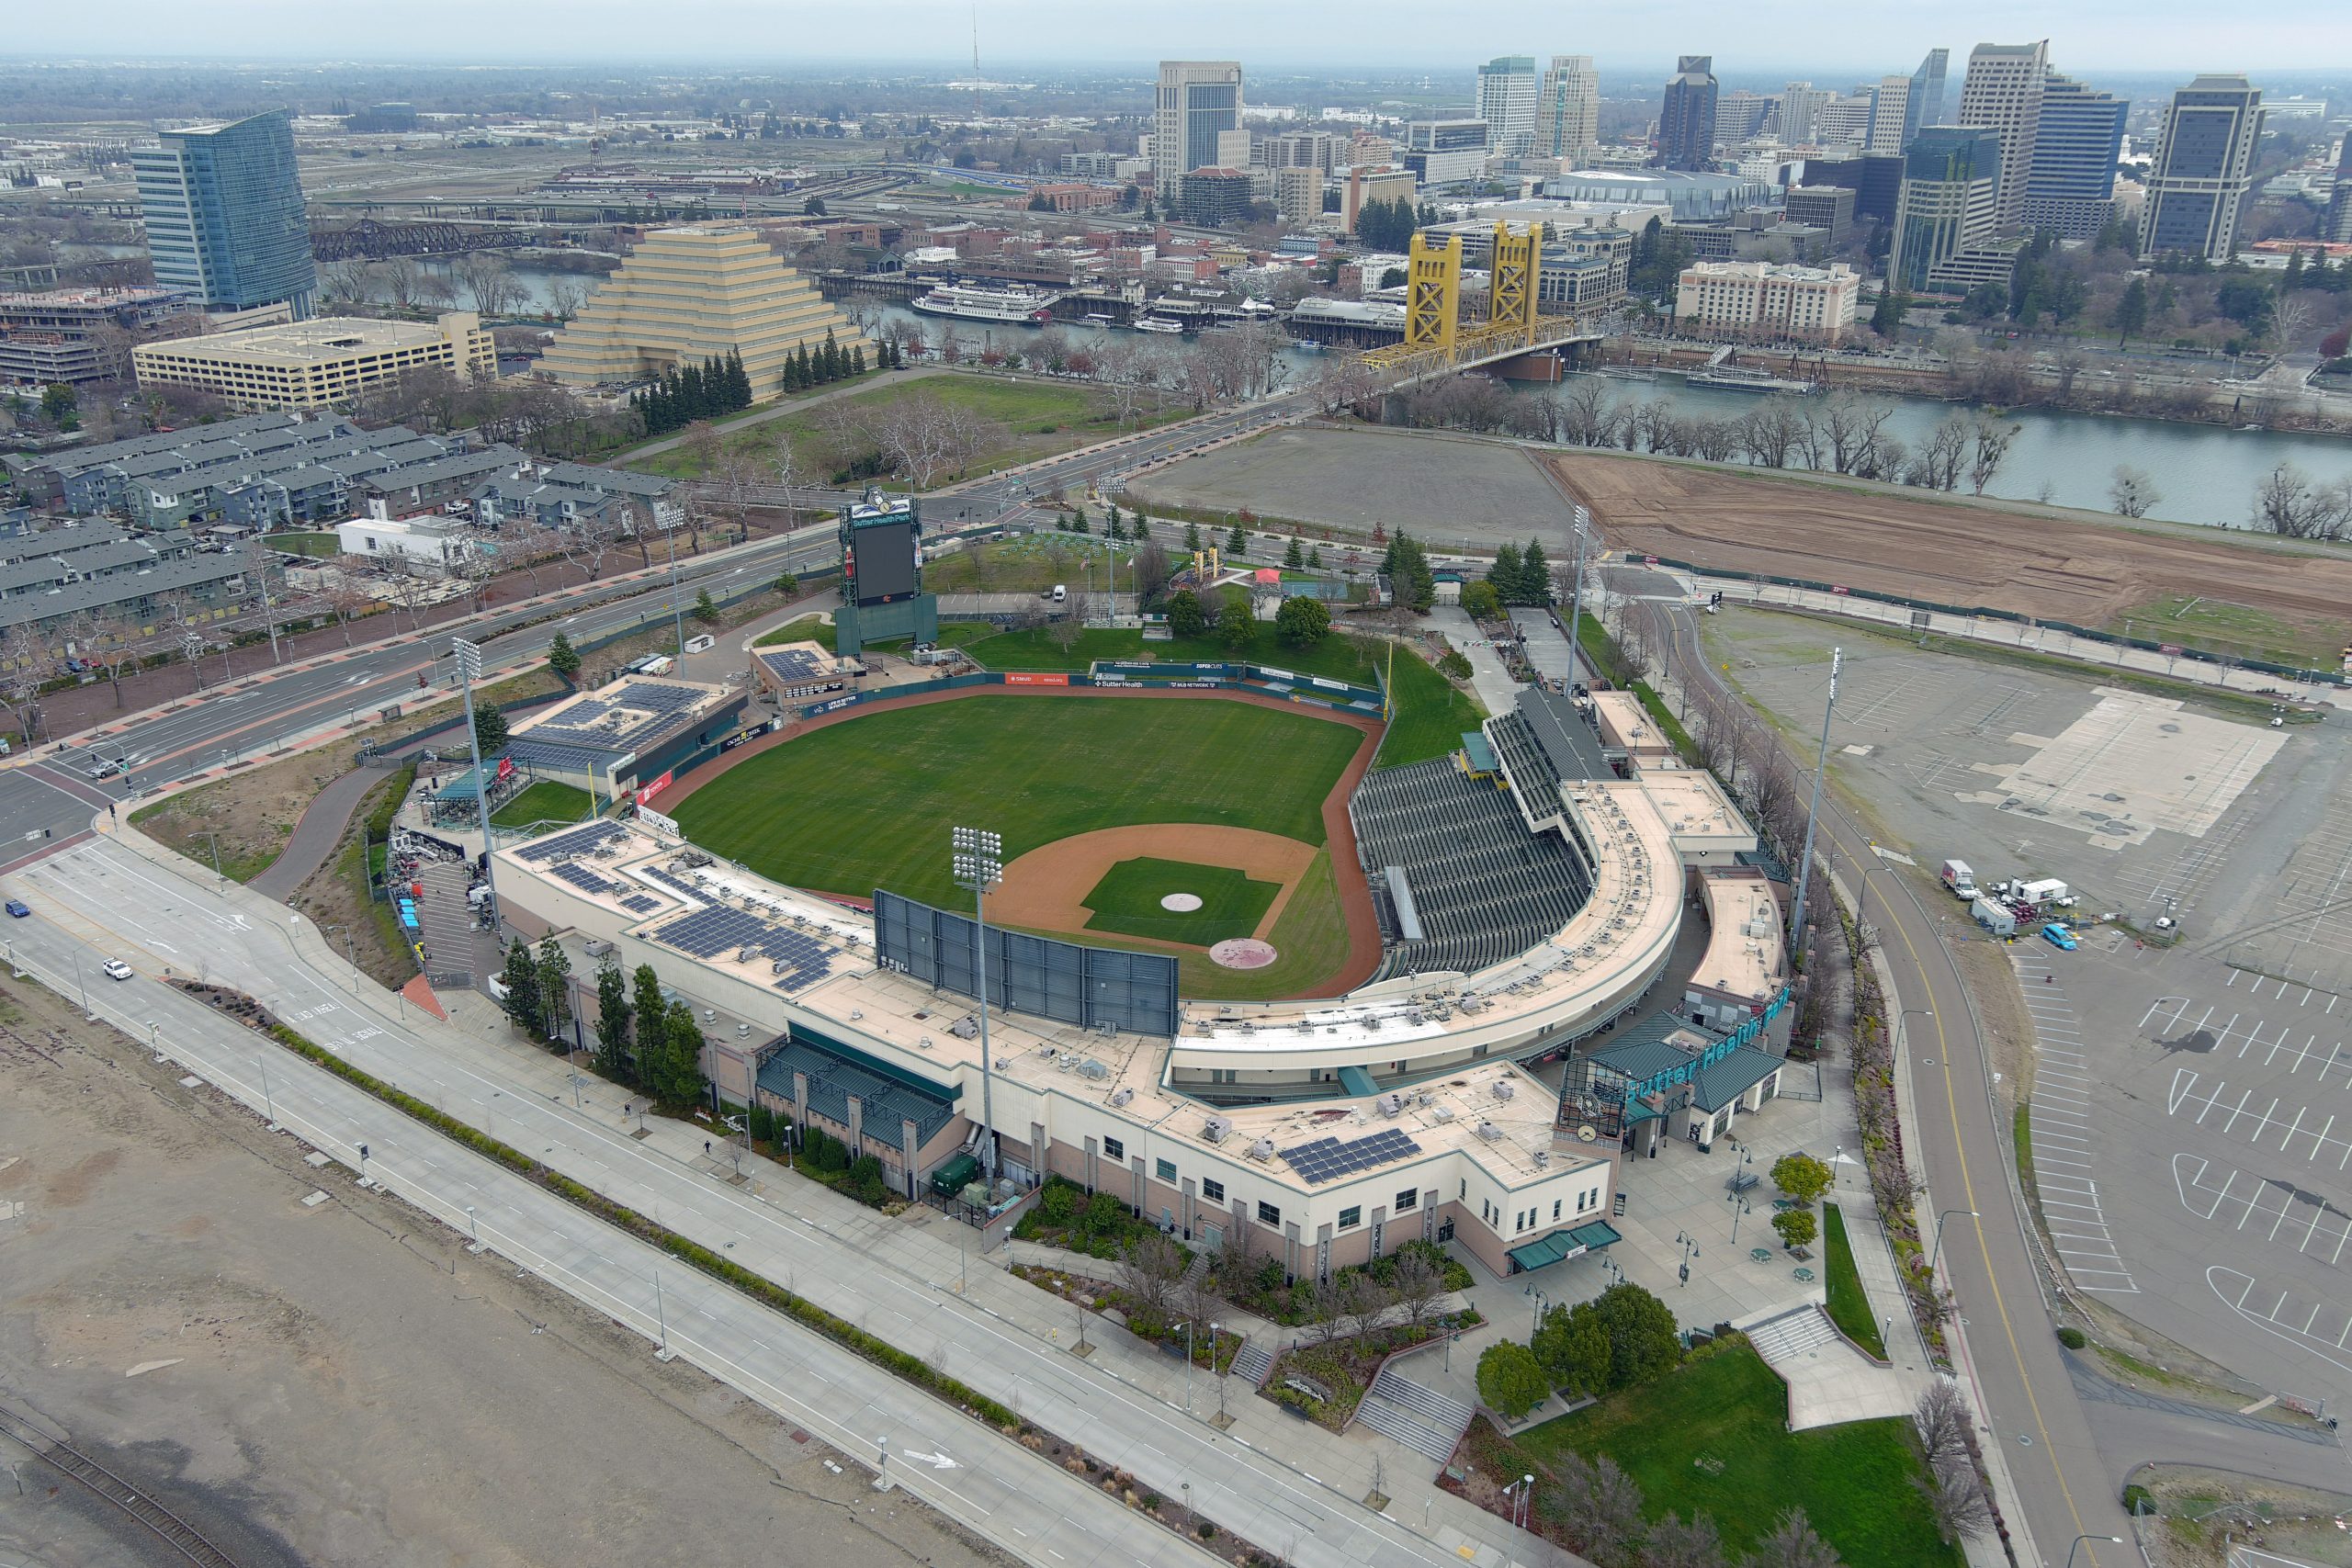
x=1890 y=115
x=2337 y=228
x=1740 y=115
x=1567 y=108
x=2070 y=189
x=1800 y=101
x=2002 y=93
x=1506 y=87
x=1923 y=106
x=1199 y=99
x=225 y=215
x=1950 y=181
x=1686 y=128
x=2204 y=170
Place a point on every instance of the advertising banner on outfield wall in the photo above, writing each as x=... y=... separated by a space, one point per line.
x=1035 y=678
x=654 y=819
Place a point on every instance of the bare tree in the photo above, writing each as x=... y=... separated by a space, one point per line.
x=2132 y=493
x=435 y=289
x=1770 y=431
x=397 y=277
x=27 y=663
x=736 y=472
x=1600 y=1509
x=1150 y=1271
x=345 y=283
x=1419 y=1284
x=1938 y=463
x=1793 y=1544
x=1674 y=1543
x=347 y=600
x=488 y=279
x=564 y=299
x=1993 y=439
x=2287 y=503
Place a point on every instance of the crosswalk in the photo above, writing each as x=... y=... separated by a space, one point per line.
x=2059 y=1122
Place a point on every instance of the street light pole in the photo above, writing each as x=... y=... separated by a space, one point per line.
x=267 y=1098
x=677 y=609
x=1937 y=1251
x=1576 y=594
x=469 y=661
x=1738 y=1206
x=980 y=865
x=1813 y=812
x=2111 y=1539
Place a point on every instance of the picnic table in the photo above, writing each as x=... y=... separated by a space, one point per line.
x=1804 y=1276
x=1740 y=1182
x=1760 y=1254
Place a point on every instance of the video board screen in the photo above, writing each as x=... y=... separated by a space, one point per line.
x=886 y=561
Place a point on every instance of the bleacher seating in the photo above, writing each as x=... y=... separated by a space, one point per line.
x=1486 y=889
x=1525 y=766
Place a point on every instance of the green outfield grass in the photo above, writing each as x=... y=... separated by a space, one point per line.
x=1127 y=900
x=868 y=804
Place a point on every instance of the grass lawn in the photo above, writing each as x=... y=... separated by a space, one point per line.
x=251 y=814
x=1849 y=1309
x=1035 y=419
x=1431 y=713
x=868 y=804
x=1127 y=900
x=546 y=801
x=327 y=544
x=807 y=629
x=1730 y=1411
x=2219 y=626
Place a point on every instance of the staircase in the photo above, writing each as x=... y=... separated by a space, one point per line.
x=1792 y=1336
x=1252 y=1363
x=1424 y=1420
x=447 y=924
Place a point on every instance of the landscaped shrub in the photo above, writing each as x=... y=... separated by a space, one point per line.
x=2071 y=1337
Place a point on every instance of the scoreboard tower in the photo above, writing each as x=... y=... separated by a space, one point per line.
x=882 y=596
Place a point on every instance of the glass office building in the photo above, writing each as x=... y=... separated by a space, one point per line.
x=225 y=215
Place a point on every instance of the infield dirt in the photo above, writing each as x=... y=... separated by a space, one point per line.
x=1045 y=890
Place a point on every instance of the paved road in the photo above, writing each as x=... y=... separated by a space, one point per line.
x=1292 y=1490
x=2006 y=1347
x=317 y=834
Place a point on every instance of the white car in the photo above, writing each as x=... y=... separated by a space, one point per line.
x=116 y=969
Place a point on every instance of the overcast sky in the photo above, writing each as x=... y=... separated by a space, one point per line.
x=1748 y=35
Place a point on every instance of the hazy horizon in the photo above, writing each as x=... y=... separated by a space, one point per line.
x=2151 y=36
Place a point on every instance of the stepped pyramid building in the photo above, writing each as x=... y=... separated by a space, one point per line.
x=688 y=294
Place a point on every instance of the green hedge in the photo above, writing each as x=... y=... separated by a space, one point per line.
x=912 y=1368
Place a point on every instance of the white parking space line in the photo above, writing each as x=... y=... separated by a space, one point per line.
x=2316 y=1330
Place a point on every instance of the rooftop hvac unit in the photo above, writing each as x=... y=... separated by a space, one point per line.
x=742 y=1029
x=1217 y=1129
x=1391 y=1104
x=1262 y=1149
x=965 y=1028
x=1090 y=1069
x=1441 y=1113
x=1543 y=1159
x=856 y=1013
x=1489 y=1131
x=925 y=1043
x=1121 y=1096
x=1504 y=1088
x=1065 y=1061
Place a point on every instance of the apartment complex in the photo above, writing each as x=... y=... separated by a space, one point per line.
x=1199 y=100
x=91 y=580
x=2204 y=173
x=1568 y=108
x=316 y=364
x=1506 y=91
x=224 y=211
x=2002 y=93
x=1757 y=299
x=1686 y=127
x=692 y=293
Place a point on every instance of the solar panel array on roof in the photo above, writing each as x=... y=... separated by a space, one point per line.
x=641 y=903
x=571 y=844
x=640 y=708
x=1327 y=1159
x=799 y=959
x=796 y=663
x=580 y=877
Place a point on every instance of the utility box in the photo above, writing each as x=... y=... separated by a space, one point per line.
x=1994 y=918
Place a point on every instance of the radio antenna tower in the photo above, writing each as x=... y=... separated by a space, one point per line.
x=976 y=40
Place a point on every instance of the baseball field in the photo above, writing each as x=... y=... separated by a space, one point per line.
x=1107 y=805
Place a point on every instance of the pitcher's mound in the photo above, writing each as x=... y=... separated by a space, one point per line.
x=1242 y=952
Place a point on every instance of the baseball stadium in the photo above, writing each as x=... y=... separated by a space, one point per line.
x=1236 y=970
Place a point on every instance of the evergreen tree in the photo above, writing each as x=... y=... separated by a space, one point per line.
x=1295 y=557
x=677 y=1075
x=828 y=359
x=1193 y=537
x=563 y=658
x=743 y=379
x=1315 y=557
x=857 y=359
x=555 y=990
x=1534 y=575
x=612 y=1022
x=1236 y=543
x=1504 y=573
x=520 y=978
x=649 y=1007
x=807 y=365
x=1078 y=523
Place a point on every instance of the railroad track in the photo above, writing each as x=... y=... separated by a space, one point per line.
x=100 y=1481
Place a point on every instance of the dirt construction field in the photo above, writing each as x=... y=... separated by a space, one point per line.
x=1952 y=553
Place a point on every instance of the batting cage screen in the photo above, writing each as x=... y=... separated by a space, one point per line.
x=1090 y=987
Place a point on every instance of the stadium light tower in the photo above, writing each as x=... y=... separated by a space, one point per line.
x=1820 y=766
x=468 y=657
x=980 y=865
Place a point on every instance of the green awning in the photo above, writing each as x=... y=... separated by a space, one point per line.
x=1480 y=752
x=1563 y=1245
x=1357 y=1082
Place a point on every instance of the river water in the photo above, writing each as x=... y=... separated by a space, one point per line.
x=2205 y=473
